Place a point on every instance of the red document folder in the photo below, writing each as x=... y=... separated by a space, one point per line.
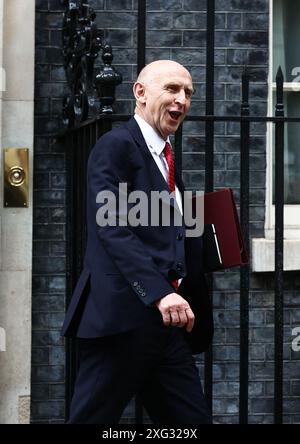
x=220 y=211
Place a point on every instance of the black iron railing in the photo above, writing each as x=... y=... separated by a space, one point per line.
x=90 y=92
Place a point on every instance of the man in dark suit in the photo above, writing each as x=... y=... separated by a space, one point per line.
x=141 y=307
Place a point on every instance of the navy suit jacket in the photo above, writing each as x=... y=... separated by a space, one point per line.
x=128 y=268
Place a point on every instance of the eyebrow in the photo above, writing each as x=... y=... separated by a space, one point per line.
x=191 y=90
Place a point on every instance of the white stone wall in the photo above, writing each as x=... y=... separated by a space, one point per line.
x=16 y=130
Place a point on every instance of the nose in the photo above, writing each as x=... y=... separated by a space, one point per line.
x=180 y=97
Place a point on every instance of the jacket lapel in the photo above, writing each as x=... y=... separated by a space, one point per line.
x=136 y=133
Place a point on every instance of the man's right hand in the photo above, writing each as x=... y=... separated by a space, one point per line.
x=176 y=311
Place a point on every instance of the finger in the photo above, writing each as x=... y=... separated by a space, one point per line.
x=166 y=318
x=174 y=317
x=183 y=320
x=191 y=319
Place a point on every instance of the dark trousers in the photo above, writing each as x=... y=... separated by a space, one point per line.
x=153 y=362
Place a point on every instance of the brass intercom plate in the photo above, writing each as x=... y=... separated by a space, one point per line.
x=16 y=178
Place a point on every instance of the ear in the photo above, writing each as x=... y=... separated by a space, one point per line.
x=139 y=92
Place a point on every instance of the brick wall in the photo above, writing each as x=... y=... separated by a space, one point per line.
x=175 y=29
x=48 y=303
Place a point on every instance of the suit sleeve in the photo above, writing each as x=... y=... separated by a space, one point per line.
x=109 y=165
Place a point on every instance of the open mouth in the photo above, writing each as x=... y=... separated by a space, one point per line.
x=175 y=115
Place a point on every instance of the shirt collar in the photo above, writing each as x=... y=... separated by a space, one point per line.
x=155 y=142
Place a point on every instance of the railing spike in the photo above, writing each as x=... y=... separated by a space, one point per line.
x=279 y=75
x=279 y=87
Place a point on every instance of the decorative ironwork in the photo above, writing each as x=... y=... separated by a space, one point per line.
x=90 y=93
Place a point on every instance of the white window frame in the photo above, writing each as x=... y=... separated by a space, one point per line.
x=291 y=212
x=263 y=249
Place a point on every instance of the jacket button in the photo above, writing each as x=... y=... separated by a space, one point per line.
x=179 y=236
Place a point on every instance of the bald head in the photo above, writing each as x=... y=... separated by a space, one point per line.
x=163 y=93
x=153 y=70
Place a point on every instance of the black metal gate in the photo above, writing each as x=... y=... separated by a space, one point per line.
x=80 y=138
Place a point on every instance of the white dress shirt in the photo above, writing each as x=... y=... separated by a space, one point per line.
x=156 y=147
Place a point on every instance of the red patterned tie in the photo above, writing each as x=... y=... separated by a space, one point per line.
x=171 y=182
x=170 y=161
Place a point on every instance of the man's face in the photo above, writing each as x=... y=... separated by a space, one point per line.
x=167 y=98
